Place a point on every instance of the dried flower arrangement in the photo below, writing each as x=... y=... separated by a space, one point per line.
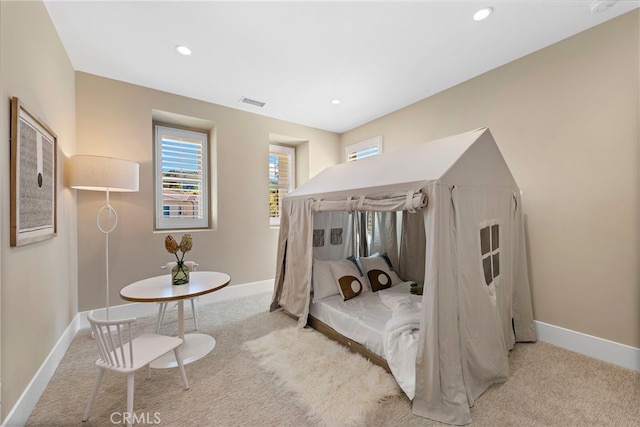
x=180 y=273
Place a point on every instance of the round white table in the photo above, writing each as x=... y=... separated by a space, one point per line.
x=160 y=289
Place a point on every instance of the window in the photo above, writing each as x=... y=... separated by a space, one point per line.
x=362 y=150
x=490 y=252
x=281 y=178
x=181 y=178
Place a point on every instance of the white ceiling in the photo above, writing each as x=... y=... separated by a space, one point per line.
x=297 y=56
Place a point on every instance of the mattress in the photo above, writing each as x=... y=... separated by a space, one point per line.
x=361 y=319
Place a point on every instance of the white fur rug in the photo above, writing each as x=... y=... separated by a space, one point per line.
x=339 y=387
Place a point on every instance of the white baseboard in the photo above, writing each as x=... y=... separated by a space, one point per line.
x=598 y=348
x=27 y=402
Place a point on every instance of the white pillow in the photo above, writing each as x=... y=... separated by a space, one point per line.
x=324 y=285
x=378 y=262
x=348 y=279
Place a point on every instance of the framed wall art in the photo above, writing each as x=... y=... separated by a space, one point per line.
x=34 y=150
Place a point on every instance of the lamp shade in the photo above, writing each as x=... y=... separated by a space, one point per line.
x=100 y=173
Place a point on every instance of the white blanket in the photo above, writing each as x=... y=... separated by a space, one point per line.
x=401 y=334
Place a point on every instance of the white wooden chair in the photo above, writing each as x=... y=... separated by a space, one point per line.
x=163 y=305
x=121 y=353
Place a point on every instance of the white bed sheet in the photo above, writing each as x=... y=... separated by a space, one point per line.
x=361 y=319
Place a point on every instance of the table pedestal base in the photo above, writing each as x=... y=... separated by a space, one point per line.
x=194 y=347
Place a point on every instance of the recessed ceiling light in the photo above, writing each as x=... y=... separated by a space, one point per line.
x=335 y=101
x=482 y=14
x=183 y=50
x=599 y=6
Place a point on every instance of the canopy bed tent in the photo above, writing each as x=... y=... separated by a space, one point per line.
x=448 y=215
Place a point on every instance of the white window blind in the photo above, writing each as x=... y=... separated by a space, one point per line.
x=281 y=178
x=181 y=178
x=362 y=150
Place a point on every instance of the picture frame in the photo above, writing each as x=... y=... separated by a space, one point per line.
x=33 y=180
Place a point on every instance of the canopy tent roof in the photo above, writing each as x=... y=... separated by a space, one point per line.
x=470 y=158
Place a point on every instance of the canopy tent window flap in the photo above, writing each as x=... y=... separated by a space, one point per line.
x=411 y=201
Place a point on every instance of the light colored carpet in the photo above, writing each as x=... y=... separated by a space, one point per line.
x=547 y=386
x=339 y=387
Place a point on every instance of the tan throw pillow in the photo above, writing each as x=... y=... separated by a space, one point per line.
x=350 y=287
x=380 y=262
x=347 y=276
x=378 y=279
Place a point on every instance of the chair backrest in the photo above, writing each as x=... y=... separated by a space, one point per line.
x=114 y=341
x=191 y=265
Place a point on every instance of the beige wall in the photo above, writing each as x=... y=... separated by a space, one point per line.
x=37 y=281
x=566 y=120
x=114 y=119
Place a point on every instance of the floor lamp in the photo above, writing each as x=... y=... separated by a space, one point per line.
x=98 y=173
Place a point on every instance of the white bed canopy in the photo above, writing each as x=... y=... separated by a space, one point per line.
x=466 y=244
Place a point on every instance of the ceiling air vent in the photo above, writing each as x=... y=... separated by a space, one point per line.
x=252 y=102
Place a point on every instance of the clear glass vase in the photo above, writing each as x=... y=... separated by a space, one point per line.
x=180 y=274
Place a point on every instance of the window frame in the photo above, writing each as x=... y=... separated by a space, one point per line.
x=363 y=146
x=291 y=152
x=493 y=250
x=179 y=223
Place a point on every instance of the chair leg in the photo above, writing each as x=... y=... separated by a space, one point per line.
x=183 y=374
x=148 y=371
x=130 y=387
x=194 y=308
x=161 y=310
x=94 y=393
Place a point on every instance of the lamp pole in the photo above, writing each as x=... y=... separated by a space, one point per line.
x=113 y=216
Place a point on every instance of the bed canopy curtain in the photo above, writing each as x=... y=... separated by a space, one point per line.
x=361 y=233
x=412 y=247
x=384 y=234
